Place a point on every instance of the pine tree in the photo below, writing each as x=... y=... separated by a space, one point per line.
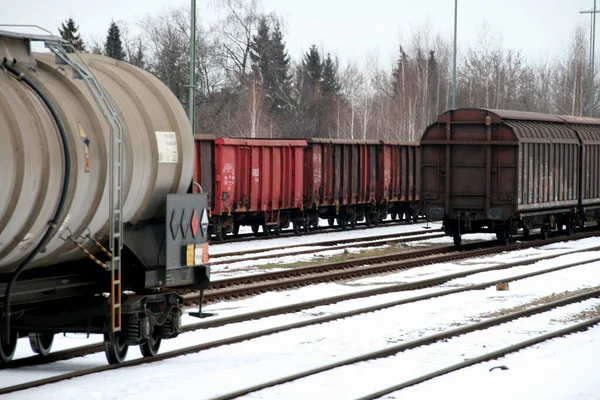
x=113 y=46
x=271 y=62
x=69 y=32
x=330 y=79
x=260 y=49
x=280 y=72
x=313 y=66
x=397 y=73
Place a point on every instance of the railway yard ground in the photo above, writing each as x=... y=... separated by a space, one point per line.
x=368 y=345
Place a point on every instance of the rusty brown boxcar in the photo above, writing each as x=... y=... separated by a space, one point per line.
x=498 y=171
x=253 y=182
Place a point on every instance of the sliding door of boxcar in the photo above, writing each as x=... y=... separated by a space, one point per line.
x=548 y=165
x=590 y=164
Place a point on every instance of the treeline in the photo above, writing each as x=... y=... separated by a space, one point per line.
x=248 y=85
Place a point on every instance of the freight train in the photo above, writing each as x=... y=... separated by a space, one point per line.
x=108 y=200
x=501 y=171
x=277 y=183
x=97 y=217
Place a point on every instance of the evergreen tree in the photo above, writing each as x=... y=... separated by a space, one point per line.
x=113 y=46
x=70 y=32
x=260 y=49
x=271 y=61
x=397 y=73
x=312 y=66
x=281 y=59
x=330 y=78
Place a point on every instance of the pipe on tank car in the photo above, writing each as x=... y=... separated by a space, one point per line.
x=52 y=225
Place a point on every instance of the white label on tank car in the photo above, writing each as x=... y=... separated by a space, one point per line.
x=167 y=147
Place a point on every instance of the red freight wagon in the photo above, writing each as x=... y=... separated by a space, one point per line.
x=340 y=180
x=398 y=191
x=250 y=182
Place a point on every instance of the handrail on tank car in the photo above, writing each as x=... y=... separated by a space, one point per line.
x=33 y=36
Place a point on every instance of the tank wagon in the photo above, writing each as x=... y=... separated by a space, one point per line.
x=500 y=171
x=278 y=183
x=96 y=159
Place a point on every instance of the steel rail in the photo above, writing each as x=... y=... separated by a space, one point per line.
x=230 y=288
x=336 y=244
x=581 y=326
x=290 y=308
x=269 y=331
x=424 y=341
x=288 y=233
x=471 y=250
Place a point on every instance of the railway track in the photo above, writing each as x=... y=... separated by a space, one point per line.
x=581 y=326
x=435 y=338
x=332 y=245
x=238 y=287
x=245 y=237
x=53 y=357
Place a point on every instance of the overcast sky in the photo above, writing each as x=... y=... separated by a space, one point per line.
x=350 y=28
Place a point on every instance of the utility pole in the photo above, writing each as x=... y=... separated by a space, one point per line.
x=192 y=66
x=592 y=51
x=454 y=57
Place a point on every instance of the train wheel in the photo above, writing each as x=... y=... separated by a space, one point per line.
x=219 y=234
x=151 y=347
x=236 y=229
x=41 y=343
x=266 y=230
x=7 y=351
x=368 y=219
x=503 y=237
x=255 y=228
x=115 y=348
x=570 y=228
x=394 y=216
x=342 y=222
x=415 y=216
x=457 y=238
x=544 y=232
x=296 y=227
x=331 y=221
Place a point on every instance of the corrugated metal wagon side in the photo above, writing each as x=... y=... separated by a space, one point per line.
x=498 y=171
x=341 y=179
x=253 y=182
x=399 y=169
x=588 y=131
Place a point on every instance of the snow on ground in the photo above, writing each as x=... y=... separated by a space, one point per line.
x=272 y=243
x=222 y=369
x=272 y=256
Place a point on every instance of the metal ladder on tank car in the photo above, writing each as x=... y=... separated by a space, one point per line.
x=84 y=72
